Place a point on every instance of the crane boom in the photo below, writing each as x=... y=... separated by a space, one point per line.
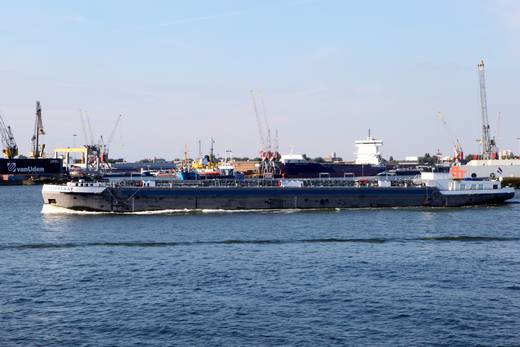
x=459 y=154
x=104 y=147
x=266 y=123
x=258 y=122
x=269 y=159
x=91 y=133
x=499 y=124
x=276 y=145
x=3 y=132
x=83 y=128
x=113 y=132
x=487 y=143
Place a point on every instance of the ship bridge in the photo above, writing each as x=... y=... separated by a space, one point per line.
x=368 y=151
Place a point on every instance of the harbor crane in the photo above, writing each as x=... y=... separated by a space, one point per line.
x=276 y=145
x=258 y=122
x=113 y=132
x=499 y=127
x=212 y=157
x=38 y=151
x=105 y=146
x=97 y=152
x=84 y=128
x=10 y=147
x=269 y=156
x=489 y=149
x=457 y=147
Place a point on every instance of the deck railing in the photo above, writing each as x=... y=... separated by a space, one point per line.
x=265 y=182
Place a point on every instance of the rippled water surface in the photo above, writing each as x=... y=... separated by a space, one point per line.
x=350 y=277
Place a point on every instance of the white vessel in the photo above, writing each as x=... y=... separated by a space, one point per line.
x=493 y=168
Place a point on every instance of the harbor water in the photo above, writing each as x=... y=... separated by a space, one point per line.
x=337 y=277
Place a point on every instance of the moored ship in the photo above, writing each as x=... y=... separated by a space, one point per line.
x=432 y=189
x=368 y=163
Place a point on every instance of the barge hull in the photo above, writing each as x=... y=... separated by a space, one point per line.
x=272 y=198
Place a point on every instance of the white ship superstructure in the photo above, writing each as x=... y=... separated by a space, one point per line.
x=368 y=151
x=491 y=168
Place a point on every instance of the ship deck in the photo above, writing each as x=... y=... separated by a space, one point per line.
x=267 y=182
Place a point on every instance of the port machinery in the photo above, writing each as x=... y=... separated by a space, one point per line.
x=269 y=152
x=10 y=149
x=489 y=163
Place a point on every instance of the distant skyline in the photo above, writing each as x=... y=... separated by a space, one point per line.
x=329 y=70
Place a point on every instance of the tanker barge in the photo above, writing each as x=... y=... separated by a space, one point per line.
x=431 y=189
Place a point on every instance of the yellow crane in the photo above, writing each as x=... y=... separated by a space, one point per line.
x=10 y=147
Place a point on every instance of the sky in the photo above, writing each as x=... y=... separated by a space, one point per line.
x=328 y=70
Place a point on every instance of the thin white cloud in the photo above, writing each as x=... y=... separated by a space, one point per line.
x=76 y=19
x=307 y=92
x=508 y=12
x=231 y=13
x=506 y=18
x=205 y=18
x=301 y=2
x=325 y=52
x=169 y=42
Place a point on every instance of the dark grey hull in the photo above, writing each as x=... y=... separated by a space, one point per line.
x=244 y=198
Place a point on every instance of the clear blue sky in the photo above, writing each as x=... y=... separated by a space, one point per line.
x=180 y=71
